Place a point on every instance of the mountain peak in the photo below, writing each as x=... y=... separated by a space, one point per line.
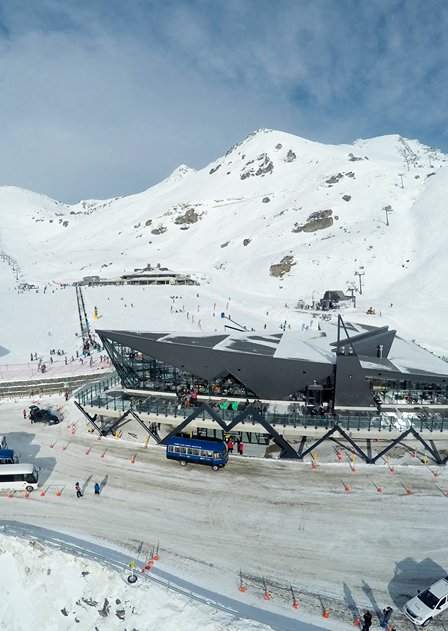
x=182 y=171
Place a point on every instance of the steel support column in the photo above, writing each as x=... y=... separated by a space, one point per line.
x=91 y=419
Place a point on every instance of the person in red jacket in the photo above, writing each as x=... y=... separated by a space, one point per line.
x=230 y=445
x=241 y=447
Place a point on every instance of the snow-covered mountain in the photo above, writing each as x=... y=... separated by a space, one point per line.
x=276 y=216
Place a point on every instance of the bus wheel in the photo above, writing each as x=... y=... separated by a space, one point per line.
x=29 y=489
x=183 y=463
x=215 y=467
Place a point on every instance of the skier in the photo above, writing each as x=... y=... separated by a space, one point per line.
x=241 y=447
x=97 y=488
x=24 y=413
x=387 y=613
x=367 y=621
x=78 y=490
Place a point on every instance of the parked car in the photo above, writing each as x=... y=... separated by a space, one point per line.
x=428 y=604
x=38 y=415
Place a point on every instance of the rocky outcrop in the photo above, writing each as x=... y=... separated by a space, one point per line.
x=316 y=221
x=189 y=217
x=334 y=179
x=278 y=270
x=290 y=156
x=246 y=242
x=159 y=230
x=265 y=166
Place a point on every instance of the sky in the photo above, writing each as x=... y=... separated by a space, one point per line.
x=103 y=98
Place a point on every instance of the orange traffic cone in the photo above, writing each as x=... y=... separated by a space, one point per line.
x=242 y=588
x=325 y=613
x=42 y=493
x=133 y=459
x=59 y=493
x=26 y=495
x=357 y=622
x=347 y=488
x=295 y=604
x=267 y=596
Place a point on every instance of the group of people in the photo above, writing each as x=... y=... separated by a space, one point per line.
x=385 y=620
x=96 y=489
x=231 y=445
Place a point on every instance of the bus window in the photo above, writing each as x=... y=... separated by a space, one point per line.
x=170 y=448
x=189 y=451
x=177 y=449
x=183 y=450
x=196 y=452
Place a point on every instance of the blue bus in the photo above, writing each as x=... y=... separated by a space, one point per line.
x=211 y=452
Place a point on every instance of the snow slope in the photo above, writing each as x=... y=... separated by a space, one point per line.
x=272 y=196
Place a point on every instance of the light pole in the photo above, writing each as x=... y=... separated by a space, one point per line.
x=401 y=176
x=388 y=209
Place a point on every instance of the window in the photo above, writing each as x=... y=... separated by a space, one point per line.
x=442 y=603
x=177 y=449
x=183 y=450
x=170 y=448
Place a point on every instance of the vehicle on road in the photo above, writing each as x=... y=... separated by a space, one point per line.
x=22 y=477
x=7 y=457
x=428 y=604
x=210 y=452
x=38 y=415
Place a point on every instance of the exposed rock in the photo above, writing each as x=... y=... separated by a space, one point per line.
x=120 y=613
x=191 y=216
x=265 y=166
x=64 y=612
x=346 y=198
x=265 y=200
x=290 y=156
x=316 y=221
x=353 y=158
x=334 y=179
x=104 y=612
x=214 y=169
x=148 y=222
x=279 y=146
x=159 y=230
x=90 y=602
x=224 y=245
x=278 y=270
x=185 y=227
x=246 y=242
x=350 y=174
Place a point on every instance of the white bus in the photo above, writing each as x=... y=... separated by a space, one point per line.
x=23 y=477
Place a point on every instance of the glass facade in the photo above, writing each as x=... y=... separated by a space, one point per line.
x=138 y=371
x=407 y=392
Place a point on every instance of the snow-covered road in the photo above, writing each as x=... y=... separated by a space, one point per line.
x=278 y=520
